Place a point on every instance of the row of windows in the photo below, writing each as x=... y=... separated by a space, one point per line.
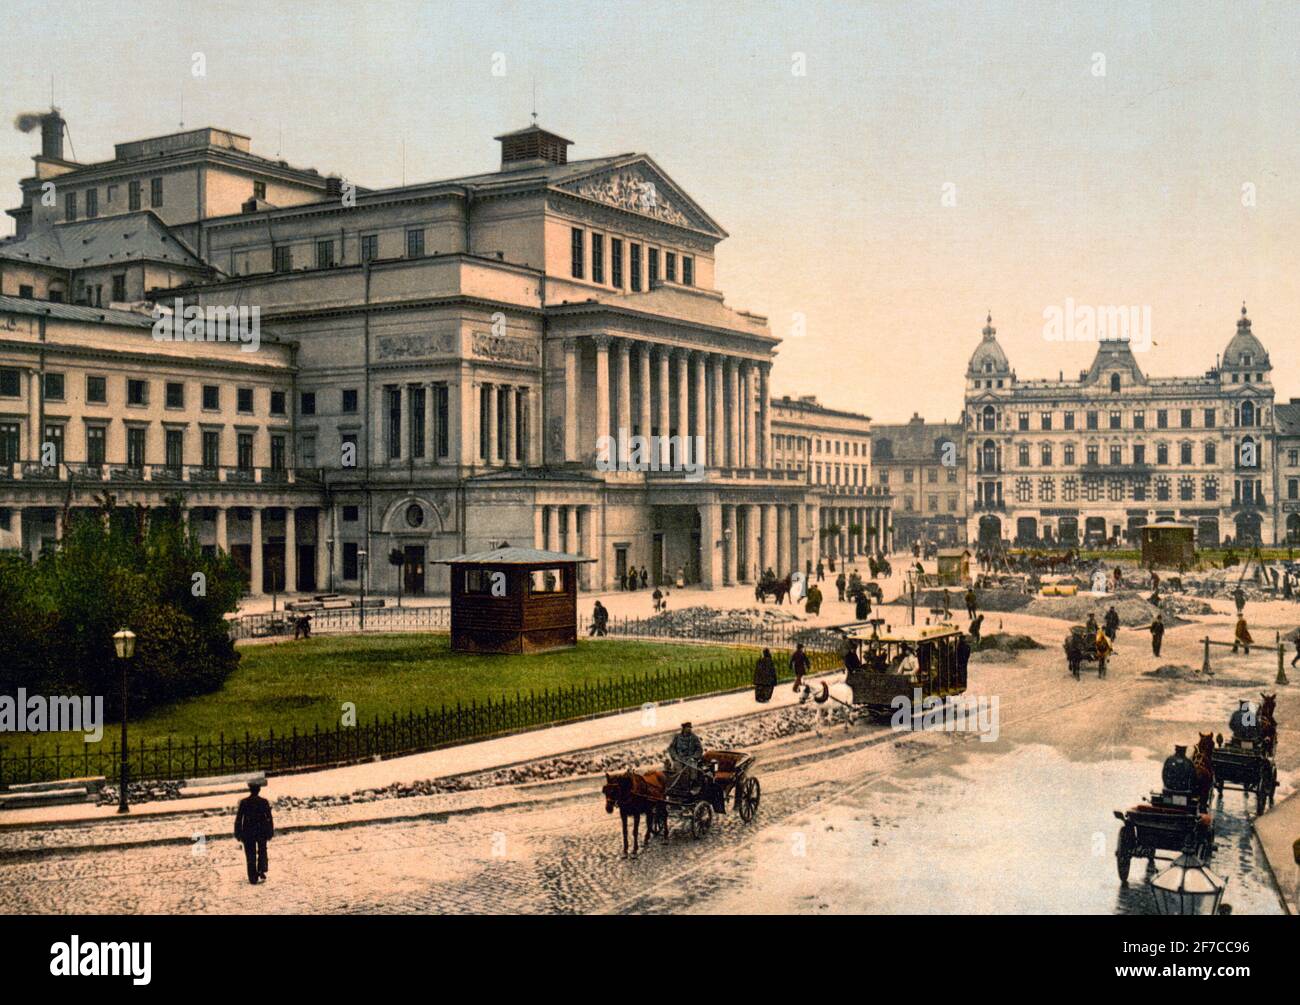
x=609 y=269
x=326 y=254
x=134 y=190
x=931 y=504
x=137 y=392
x=1161 y=489
x=1247 y=455
x=136 y=440
x=1245 y=414
x=909 y=475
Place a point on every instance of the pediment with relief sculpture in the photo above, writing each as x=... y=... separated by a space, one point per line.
x=637 y=187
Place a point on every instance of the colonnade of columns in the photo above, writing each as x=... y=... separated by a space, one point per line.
x=875 y=531
x=745 y=539
x=647 y=388
x=568 y=529
x=484 y=422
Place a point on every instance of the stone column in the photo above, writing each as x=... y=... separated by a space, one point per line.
x=290 y=550
x=17 y=524
x=782 y=540
x=512 y=417
x=539 y=527
x=752 y=533
x=768 y=549
x=552 y=528
x=571 y=399
x=494 y=452
x=734 y=411
x=223 y=542
x=322 y=550
x=34 y=430
x=403 y=396
x=711 y=555
x=728 y=544
x=590 y=548
x=379 y=430
x=602 y=395
x=700 y=449
x=623 y=353
x=718 y=434
x=430 y=423
x=255 y=551
x=665 y=403
x=465 y=415
x=534 y=427
x=683 y=406
x=765 y=416
x=747 y=411
x=646 y=418
x=571 y=535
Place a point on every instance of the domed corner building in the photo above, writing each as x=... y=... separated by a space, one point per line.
x=1095 y=457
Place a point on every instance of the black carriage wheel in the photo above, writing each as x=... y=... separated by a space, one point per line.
x=701 y=819
x=1124 y=853
x=748 y=798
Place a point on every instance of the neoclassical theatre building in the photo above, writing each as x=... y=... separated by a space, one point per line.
x=1094 y=458
x=534 y=354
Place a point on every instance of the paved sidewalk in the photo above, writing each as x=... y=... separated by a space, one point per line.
x=1277 y=830
x=483 y=755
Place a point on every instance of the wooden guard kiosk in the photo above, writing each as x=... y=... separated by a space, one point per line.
x=1168 y=545
x=514 y=600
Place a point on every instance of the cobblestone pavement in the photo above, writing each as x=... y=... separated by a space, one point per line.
x=925 y=822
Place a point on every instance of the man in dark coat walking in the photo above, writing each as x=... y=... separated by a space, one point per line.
x=840 y=582
x=1157 y=630
x=254 y=827
x=970 y=603
x=1112 y=623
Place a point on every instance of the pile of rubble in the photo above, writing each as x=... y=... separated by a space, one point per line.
x=140 y=792
x=741 y=734
x=750 y=624
x=1133 y=608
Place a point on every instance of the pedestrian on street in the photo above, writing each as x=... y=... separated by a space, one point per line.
x=963 y=656
x=839 y=585
x=813 y=605
x=1239 y=598
x=861 y=606
x=976 y=626
x=1112 y=623
x=799 y=664
x=658 y=597
x=1157 y=630
x=1296 y=657
x=821 y=572
x=970 y=603
x=947 y=604
x=599 y=619
x=1241 y=636
x=764 y=677
x=645 y=577
x=253 y=828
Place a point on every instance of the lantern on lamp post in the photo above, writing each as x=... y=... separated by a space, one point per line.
x=1187 y=886
x=124 y=646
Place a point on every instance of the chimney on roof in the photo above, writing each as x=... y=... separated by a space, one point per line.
x=333 y=187
x=532 y=147
x=52 y=129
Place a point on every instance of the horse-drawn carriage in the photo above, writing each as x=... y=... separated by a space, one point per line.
x=769 y=585
x=1081 y=644
x=1176 y=818
x=1245 y=761
x=884 y=666
x=724 y=777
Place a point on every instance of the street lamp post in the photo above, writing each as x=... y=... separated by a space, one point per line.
x=124 y=645
x=361 y=572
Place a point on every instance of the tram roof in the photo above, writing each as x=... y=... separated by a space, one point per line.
x=865 y=631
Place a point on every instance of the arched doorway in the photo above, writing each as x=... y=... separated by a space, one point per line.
x=990 y=531
x=1094 y=531
x=1248 y=528
x=1026 y=530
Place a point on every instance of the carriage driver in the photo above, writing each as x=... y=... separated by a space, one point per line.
x=684 y=755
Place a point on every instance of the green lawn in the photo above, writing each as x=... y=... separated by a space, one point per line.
x=304 y=684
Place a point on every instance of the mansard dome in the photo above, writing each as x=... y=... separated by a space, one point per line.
x=988 y=357
x=1244 y=349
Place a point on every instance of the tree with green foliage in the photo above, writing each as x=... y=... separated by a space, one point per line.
x=132 y=568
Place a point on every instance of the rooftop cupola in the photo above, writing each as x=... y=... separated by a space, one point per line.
x=988 y=358
x=1245 y=351
x=532 y=146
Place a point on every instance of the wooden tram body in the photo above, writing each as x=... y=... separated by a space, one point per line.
x=939 y=674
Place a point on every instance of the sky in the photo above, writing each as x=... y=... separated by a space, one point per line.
x=887 y=172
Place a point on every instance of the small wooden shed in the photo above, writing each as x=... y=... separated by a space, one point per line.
x=953 y=566
x=1169 y=545
x=514 y=600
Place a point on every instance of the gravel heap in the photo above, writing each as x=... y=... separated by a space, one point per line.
x=1008 y=643
x=140 y=792
x=1133 y=609
x=743 y=624
x=987 y=600
x=738 y=735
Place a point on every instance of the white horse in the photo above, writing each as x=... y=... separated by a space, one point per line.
x=834 y=702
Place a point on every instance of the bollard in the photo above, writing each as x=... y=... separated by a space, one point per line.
x=1205 y=665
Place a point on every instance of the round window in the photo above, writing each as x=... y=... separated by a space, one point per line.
x=415 y=515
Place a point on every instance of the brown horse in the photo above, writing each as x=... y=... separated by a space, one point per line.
x=635 y=795
x=1268 y=722
x=778 y=588
x=1203 y=762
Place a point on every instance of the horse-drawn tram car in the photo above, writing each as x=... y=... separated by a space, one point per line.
x=897 y=662
x=1174 y=820
x=1245 y=762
